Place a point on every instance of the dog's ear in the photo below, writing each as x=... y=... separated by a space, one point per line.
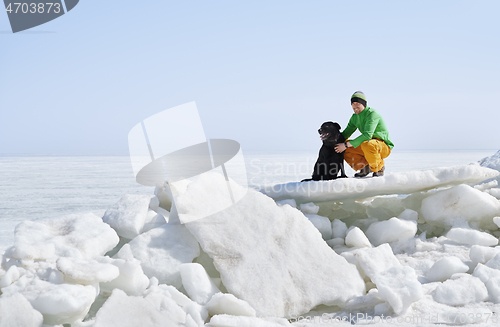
x=337 y=125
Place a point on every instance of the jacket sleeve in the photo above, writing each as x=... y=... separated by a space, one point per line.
x=371 y=124
x=350 y=128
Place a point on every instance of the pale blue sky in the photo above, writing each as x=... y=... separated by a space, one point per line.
x=264 y=73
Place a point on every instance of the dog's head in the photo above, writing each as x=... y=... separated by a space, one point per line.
x=329 y=132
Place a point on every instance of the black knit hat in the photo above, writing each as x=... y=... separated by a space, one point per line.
x=359 y=97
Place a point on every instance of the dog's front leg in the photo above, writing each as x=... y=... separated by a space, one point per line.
x=342 y=171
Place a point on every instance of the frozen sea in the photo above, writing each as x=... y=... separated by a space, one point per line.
x=40 y=187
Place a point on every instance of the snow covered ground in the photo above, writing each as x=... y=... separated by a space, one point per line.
x=425 y=252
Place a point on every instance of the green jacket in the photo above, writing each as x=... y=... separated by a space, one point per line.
x=370 y=124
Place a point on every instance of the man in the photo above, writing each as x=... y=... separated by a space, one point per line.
x=368 y=151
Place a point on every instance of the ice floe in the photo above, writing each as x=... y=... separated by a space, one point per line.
x=395 y=183
x=255 y=236
x=405 y=245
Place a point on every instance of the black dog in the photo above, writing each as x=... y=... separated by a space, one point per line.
x=329 y=162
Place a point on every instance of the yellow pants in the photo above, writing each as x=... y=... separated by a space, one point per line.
x=372 y=152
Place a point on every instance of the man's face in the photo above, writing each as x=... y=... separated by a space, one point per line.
x=357 y=107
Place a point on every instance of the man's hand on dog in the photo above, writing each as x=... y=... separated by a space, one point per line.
x=341 y=147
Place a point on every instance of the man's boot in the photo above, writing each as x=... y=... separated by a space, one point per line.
x=363 y=172
x=379 y=173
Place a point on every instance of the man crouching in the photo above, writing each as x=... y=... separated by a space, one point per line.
x=368 y=151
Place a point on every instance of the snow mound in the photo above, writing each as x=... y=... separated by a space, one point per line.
x=444 y=268
x=78 y=236
x=257 y=245
x=161 y=251
x=391 y=230
x=471 y=236
x=395 y=183
x=128 y=215
x=459 y=206
x=461 y=289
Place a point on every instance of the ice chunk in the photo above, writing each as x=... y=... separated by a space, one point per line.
x=290 y=202
x=229 y=304
x=161 y=194
x=162 y=301
x=374 y=261
x=257 y=245
x=169 y=291
x=409 y=214
x=309 y=208
x=399 y=287
x=131 y=278
x=492 y=162
x=128 y=215
x=356 y=238
x=486 y=186
x=496 y=220
x=241 y=321
x=132 y=311
x=154 y=203
x=161 y=251
x=472 y=237
x=384 y=207
x=16 y=311
x=444 y=268
x=12 y=275
x=495 y=192
x=334 y=242
x=197 y=283
x=171 y=302
x=395 y=183
x=339 y=229
x=153 y=220
x=85 y=272
x=82 y=236
x=494 y=262
x=59 y=303
x=460 y=205
x=207 y=263
x=391 y=230
x=491 y=278
x=461 y=289
x=323 y=224
x=370 y=300
x=482 y=254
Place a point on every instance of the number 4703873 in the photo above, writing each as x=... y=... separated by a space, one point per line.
x=41 y=8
